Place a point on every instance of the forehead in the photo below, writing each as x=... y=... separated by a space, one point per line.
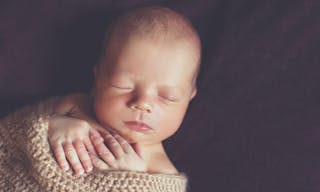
x=154 y=60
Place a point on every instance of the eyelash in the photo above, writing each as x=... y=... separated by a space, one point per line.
x=123 y=88
x=165 y=98
x=169 y=99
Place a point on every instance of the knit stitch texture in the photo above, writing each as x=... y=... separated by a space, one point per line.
x=27 y=163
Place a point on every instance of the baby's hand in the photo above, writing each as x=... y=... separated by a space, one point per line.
x=68 y=133
x=70 y=142
x=116 y=153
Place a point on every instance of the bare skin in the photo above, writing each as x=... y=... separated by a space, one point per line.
x=139 y=100
x=80 y=143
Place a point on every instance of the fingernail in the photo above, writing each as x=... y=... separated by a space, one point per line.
x=89 y=169
x=81 y=171
x=65 y=167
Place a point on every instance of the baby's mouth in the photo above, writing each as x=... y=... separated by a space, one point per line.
x=138 y=126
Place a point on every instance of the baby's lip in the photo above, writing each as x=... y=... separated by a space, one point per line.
x=138 y=126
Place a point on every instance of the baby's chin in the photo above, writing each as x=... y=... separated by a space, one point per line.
x=132 y=140
x=130 y=136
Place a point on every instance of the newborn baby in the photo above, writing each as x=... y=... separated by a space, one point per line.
x=144 y=81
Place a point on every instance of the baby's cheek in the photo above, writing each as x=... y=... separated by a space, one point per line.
x=113 y=110
x=167 y=118
x=104 y=109
x=158 y=114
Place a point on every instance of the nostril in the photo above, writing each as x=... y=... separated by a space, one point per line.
x=134 y=107
x=141 y=108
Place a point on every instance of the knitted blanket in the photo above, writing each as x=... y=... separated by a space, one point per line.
x=27 y=163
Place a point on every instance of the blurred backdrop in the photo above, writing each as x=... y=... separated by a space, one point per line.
x=254 y=125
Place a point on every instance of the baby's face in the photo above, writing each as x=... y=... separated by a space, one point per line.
x=144 y=92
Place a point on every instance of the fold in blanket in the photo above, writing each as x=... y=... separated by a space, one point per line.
x=27 y=164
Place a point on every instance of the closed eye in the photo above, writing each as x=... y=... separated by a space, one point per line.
x=169 y=98
x=121 y=87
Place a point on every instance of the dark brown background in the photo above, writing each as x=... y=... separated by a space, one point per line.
x=254 y=125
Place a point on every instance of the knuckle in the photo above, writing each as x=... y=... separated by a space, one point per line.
x=68 y=149
x=78 y=144
x=90 y=148
x=97 y=139
x=112 y=141
x=65 y=143
x=83 y=154
x=105 y=153
x=117 y=136
x=82 y=124
x=120 y=139
x=107 y=136
x=125 y=143
x=99 y=147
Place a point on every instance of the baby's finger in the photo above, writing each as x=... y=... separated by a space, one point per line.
x=113 y=145
x=83 y=155
x=127 y=148
x=89 y=146
x=98 y=163
x=102 y=150
x=137 y=149
x=73 y=158
x=60 y=156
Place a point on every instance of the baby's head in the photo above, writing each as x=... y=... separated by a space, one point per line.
x=147 y=73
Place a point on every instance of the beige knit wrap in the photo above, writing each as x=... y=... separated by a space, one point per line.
x=27 y=164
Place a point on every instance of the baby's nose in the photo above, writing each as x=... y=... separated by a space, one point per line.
x=143 y=104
